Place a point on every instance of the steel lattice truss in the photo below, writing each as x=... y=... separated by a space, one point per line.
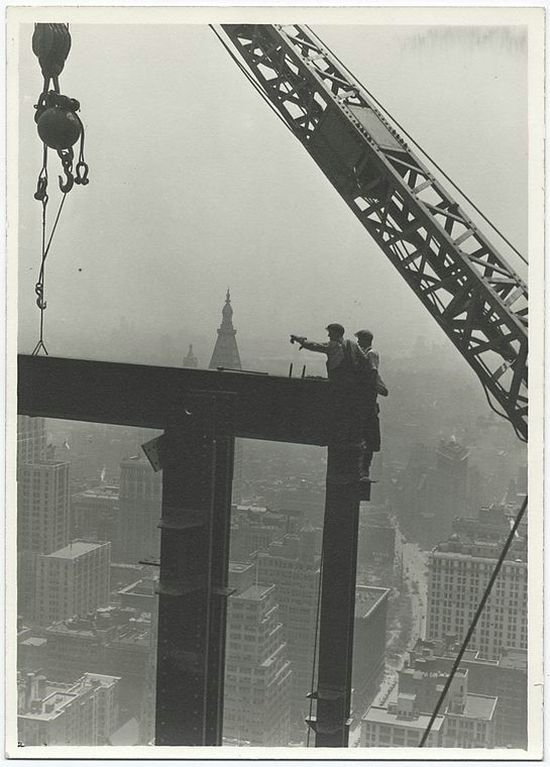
x=472 y=292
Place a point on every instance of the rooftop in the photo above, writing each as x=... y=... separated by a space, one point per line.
x=34 y=641
x=104 y=491
x=381 y=715
x=367 y=598
x=76 y=549
x=479 y=706
x=254 y=593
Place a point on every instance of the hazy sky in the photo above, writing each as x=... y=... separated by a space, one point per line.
x=196 y=186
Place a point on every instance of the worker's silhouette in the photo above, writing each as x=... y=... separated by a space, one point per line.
x=354 y=394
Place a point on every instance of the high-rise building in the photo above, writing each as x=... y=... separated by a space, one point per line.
x=31 y=439
x=466 y=720
x=257 y=669
x=505 y=679
x=190 y=360
x=226 y=355
x=115 y=641
x=292 y=564
x=42 y=517
x=458 y=575
x=81 y=713
x=43 y=506
x=369 y=644
x=139 y=506
x=94 y=513
x=433 y=490
x=72 y=581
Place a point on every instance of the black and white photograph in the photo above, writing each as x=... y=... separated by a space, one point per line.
x=271 y=460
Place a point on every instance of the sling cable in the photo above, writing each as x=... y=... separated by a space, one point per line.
x=59 y=128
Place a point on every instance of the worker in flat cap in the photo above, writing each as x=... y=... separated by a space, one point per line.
x=352 y=396
x=370 y=420
x=344 y=357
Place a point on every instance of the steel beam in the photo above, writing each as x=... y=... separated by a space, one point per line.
x=196 y=509
x=266 y=407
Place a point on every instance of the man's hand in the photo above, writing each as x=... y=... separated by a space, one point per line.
x=297 y=339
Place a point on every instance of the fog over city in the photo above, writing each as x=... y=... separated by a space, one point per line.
x=205 y=216
x=196 y=186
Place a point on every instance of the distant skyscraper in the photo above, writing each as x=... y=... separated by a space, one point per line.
x=459 y=573
x=226 y=353
x=190 y=361
x=292 y=564
x=137 y=535
x=257 y=669
x=42 y=517
x=31 y=439
x=72 y=581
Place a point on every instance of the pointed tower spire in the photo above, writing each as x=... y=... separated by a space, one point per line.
x=226 y=353
x=190 y=361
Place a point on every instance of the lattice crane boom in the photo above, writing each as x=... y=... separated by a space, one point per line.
x=467 y=286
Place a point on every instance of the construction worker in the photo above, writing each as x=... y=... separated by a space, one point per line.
x=353 y=389
x=344 y=357
x=370 y=421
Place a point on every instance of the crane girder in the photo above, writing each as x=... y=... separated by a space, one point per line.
x=476 y=297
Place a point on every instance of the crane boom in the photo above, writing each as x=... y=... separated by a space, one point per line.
x=467 y=286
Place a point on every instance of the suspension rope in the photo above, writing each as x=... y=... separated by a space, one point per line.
x=39 y=288
x=475 y=620
x=420 y=148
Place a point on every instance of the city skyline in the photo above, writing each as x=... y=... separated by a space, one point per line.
x=220 y=240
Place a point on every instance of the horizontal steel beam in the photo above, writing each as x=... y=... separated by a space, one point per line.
x=266 y=407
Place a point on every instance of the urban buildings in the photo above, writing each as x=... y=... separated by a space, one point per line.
x=31 y=439
x=257 y=669
x=80 y=713
x=369 y=644
x=467 y=720
x=42 y=506
x=137 y=536
x=292 y=565
x=504 y=678
x=190 y=360
x=433 y=490
x=94 y=513
x=458 y=574
x=226 y=355
x=72 y=581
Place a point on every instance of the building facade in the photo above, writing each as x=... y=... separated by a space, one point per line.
x=72 y=581
x=466 y=720
x=82 y=713
x=137 y=535
x=257 y=670
x=369 y=644
x=458 y=575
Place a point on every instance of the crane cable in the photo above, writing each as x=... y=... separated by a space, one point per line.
x=473 y=624
x=418 y=146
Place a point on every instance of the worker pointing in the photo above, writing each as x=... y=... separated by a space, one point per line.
x=354 y=394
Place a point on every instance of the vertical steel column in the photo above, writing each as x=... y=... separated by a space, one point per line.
x=197 y=462
x=337 y=613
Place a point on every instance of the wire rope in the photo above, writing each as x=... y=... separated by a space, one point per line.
x=474 y=622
